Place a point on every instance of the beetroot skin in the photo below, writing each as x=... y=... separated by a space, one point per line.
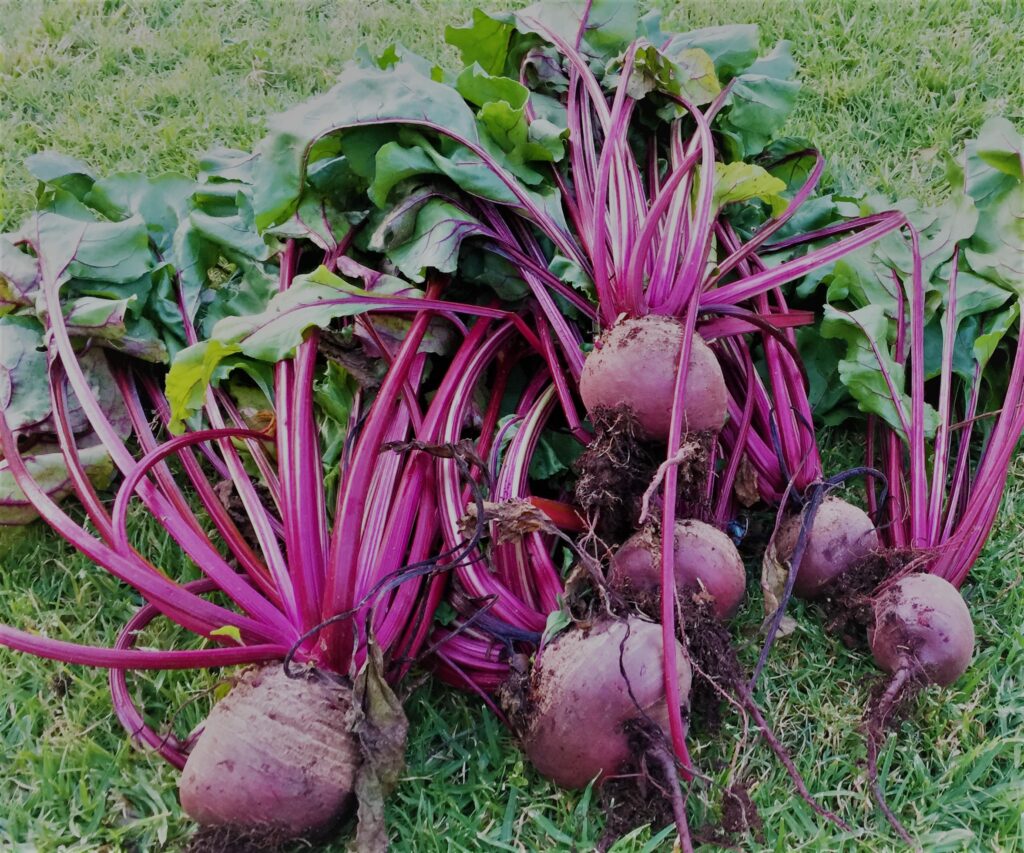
x=922 y=620
x=275 y=752
x=704 y=558
x=841 y=535
x=581 y=701
x=634 y=364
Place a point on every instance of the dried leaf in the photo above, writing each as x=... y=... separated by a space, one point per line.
x=511 y=520
x=745 y=485
x=379 y=722
x=773 y=583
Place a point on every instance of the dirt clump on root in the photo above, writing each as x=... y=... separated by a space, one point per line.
x=739 y=814
x=640 y=794
x=227 y=839
x=515 y=696
x=716 y=668
x=847 y=600
x=613 y=473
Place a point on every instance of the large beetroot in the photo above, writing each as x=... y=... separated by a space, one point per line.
x=277 y=750
x=585 y=687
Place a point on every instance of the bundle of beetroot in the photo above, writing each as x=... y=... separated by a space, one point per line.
x=517 y=338
x=282 y=462
x=932 y=358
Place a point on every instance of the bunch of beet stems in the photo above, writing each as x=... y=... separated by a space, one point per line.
x=941 y=503
x=298 y=570
x=645 y=237
x=942 y=499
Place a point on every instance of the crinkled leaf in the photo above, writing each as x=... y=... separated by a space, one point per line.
x=610 y=24
x=861 y=371
x=963 y=347
x=996 y=250
x=732 y=48
x=573 y=274
x=485 y=269
x=313 y=300
x=435 y=242
x=689 y=73
x=45 y=464
x=738 y=181
x=115 y=252
x=362 y=96
x=821 y=359
x=24 y=391
x=190 y=375
x=227 y=164
x=61 y=172
x=19 y=276
x=993 y=331
x=110 y=323
x=760 y=102
x=483 y=41
x=992 y=162
x=161 y=202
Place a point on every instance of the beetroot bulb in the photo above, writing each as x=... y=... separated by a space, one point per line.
x=634 y=364
x=922 y=634
x=263 y=753
x=840 y=536
x=580 y=690
x=705 y=559
x=922 y=625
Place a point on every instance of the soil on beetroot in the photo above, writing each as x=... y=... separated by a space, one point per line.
x=226 y=839
x=613 y=474
x=708 y=644
x=641 y=795
x=847 y=600
x=716 y=667
x=514 y=695
x=617 y=468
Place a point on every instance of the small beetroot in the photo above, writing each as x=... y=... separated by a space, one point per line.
x=705 y=559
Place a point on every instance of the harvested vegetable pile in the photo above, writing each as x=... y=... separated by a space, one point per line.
x=487 y=373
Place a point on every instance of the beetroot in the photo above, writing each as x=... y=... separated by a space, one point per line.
x=840 y=536
x=275 y=752
x=705 y=558
x=634 y=364
x=581 y=701
x=921 y=621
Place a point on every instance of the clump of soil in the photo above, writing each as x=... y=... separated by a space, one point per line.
x=514 y=695
x=847 y=600
x=716 y=667
x=708 y=644
x=226 y=839
x=619 y=467
x=613 y=474
x=739 y=814
x=641 y=795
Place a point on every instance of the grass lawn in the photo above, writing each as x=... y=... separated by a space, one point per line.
x=147 y=84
